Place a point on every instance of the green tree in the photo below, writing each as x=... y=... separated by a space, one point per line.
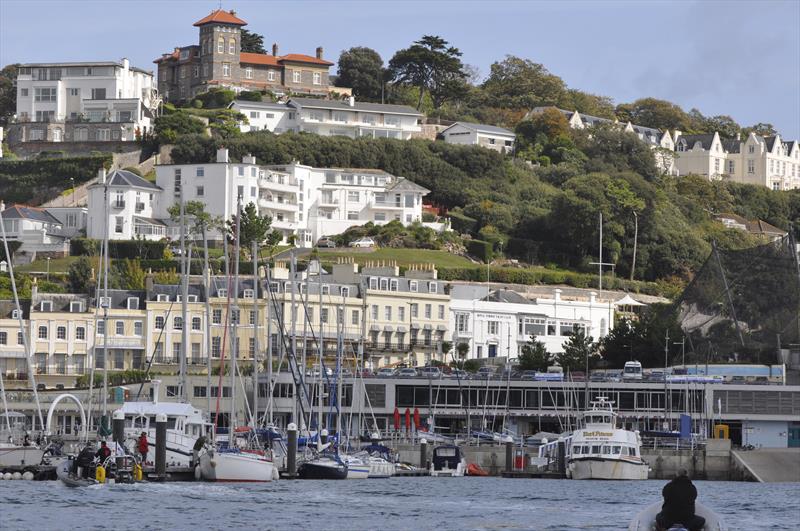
x=760 y=129
x=432 y=66
x=170 y=126
x=534 y=356
x=253 y=228
x=80 y=276
x=128 y=274
x=252 y=42
x=652 y=112
x=8 y=93
x=521 y=83
x=361 y=69
x=577 y=350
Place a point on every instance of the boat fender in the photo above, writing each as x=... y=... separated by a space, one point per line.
x=27 y=475
x=275 y=474
x=7 y=476
x=213 y=463
x=16 y=475
x=138 y=474
x=198 y=474
x=100 y=474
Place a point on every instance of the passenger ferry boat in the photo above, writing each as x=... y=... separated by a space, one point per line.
x=600 y=450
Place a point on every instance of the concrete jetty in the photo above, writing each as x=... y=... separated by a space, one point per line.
x=768 y=465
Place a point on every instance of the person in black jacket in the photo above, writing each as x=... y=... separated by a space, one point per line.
x=679 y=497
x=84 y=461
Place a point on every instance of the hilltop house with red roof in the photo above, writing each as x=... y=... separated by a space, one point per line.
x=217 y=61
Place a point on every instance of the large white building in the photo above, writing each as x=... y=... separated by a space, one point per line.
x=302 y=201
x=331 y=118
x=500 y=323
x=765 y=161
x=91 y=101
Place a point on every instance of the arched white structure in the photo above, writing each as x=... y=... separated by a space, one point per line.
x=52 y=409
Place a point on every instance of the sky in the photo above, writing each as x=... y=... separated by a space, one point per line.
x=740 y=57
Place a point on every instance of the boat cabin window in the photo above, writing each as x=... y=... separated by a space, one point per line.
x=596 y=449
x=598 y=419
x=615 y=450
x=446 y=452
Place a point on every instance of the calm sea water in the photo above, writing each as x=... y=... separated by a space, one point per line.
x=397 y=503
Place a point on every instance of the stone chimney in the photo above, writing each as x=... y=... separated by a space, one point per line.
x=248 y=159
x=275 y=49
x=558 y=294
x=319 y=52
x=677 y=134
x=222 y=155
x=125 y=63
x=592 y=297
x=351 y=100
x=101 y=175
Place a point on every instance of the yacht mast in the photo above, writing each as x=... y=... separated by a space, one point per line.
x=105 y=302
x=185 y=269
x=254 y=418
x=292 y=275
x=320 y=381
x=269 y=296
x=207 y=283
x=235 y=320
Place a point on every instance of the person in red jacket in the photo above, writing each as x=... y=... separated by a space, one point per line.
x=103 y=453
x=143 y=446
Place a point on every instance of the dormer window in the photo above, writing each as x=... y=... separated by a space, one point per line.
x=76 y=306
x=345 y=292
x=384 y=284
x=412 y=286
x=222 y=292
x=105 y=302
x=248 y=294
x=15 y=314
x=133 y=303
x=326 y=290
x=373 y=283
x=191 y=298
x=46 y=306
x=432 y=287
x=393 y=285
x=162 y=297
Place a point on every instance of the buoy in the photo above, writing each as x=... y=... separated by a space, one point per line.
x=138 y=475
x=275 y=474
x=7 y=476
x=213 y=463
x=198 y=474
x=27 y=475
x=16 y=475
x=100 y=474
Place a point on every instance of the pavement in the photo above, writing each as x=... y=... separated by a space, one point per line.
x=771 y=465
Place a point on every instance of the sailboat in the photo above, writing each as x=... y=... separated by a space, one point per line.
x=237 y=457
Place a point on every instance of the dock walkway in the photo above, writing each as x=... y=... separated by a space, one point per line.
x=770 y=465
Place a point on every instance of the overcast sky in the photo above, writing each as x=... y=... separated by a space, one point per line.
x=740 y=58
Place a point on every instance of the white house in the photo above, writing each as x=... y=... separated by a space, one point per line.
x=702 y=155
x=488 y=136
x=501 y=323
x=36 y=229
x=132 y=203
x=302 y=201
x=331 y=118
x=91 y=101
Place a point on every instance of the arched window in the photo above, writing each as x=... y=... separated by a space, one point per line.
x=221 y=45
x=177 y=323
x=231 y=46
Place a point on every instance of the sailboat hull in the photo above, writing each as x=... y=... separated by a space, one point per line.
x=20 y=456
x=314 y=470
x=236 y=467
x=613 y=469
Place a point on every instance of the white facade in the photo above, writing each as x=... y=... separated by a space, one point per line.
x=765 y=161
x=79 y=95
x=488 y=136
x=132 y=203
x=301 y=200
x=331 y=118
x=502 y=323
x=36 y=229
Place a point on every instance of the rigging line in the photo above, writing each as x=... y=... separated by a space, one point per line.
x=152 y=358
x=226 y=322
x=94 y=346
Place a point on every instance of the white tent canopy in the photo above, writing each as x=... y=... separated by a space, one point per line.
x=627 y=300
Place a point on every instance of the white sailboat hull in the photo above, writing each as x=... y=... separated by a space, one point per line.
x=236 y=467
x=20 y=455
x=607 y=468
x=380 y=468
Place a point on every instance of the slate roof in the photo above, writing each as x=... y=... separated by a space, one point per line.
x=126 y=178
x=261 y=105
x=483 y=128
x=29 y=212
x=731 y=145
x=317 y=103
x=691 y=140
x=506 y=295
x=770 y=141
x=404 y=185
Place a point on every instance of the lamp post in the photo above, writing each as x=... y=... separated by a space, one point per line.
x=72 y=180
x=48 y=269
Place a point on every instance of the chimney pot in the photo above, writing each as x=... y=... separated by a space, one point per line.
x=275 y=49
x=319 y=52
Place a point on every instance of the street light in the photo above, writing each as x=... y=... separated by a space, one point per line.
x=48 y=269
x=72 y=180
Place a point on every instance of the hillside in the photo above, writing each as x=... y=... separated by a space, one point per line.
x=548 y=214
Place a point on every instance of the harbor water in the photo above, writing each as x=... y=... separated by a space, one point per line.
x=396 y=503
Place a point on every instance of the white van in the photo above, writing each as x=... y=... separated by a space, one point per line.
x=632 y=371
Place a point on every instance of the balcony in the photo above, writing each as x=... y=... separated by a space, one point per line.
x=120 y=342
x=390 y=205
x=139 y=207
x=328 y=202
x=118 y=204
x=278 y=183
x=271 y=204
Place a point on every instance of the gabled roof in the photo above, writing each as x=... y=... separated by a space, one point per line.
x=483 y=128
x=317 y=103
x=259 y=105
x=770 y=141
x=731 y=145
x=221 y=17
x=29 y=212
x=691 y=140
x=762 y=227
x=301 y=58
x=259 y=59
x=506 y=295
x=404 y=185
x=126 y=178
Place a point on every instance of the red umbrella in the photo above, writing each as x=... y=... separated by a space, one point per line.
x=416 y=419
x=408 y=419
x=396 y=419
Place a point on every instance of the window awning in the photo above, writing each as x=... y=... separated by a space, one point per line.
x=374 y=328
x=442 y=328
x=388 y=328
x=401 y=328
x=427 y=327
x=414 y=325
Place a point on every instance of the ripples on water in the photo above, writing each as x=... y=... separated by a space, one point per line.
x=384 y=504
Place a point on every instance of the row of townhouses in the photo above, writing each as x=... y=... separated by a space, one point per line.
x=394 y=318
x=764 y=161
x=304 y=203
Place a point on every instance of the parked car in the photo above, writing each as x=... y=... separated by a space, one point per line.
x=597 y=376
x=657 y=376
x=486 y=373
x=578 y=376
x=363 y=242
x=738 y=380
x=508 y=373
x=326 y=242
x=367 y=373
x=430 y=372
x=407 y=373
x=385 y=372
x=459 y=374
x=528 y=375
x=346 y=373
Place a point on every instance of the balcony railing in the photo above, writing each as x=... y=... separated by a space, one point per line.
x=403 y=346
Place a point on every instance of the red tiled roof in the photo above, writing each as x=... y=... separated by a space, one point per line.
x=174 y=55
x=259 y=59
x=221 y=16
x=300 y=58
